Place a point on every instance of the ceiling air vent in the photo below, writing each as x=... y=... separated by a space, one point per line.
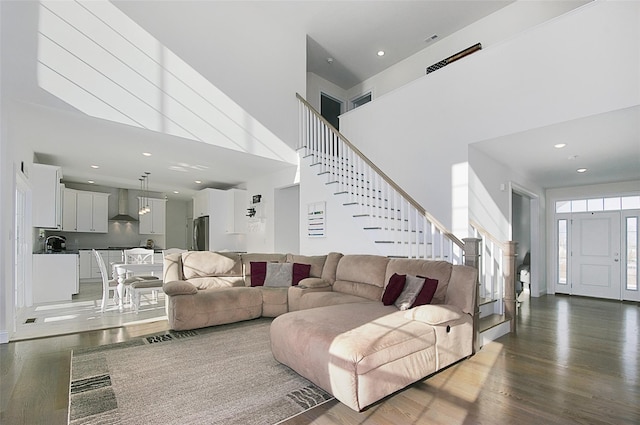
x=454 y=58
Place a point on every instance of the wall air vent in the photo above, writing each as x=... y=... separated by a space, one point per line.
x=454 y=58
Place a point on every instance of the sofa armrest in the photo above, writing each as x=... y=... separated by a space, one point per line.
x=296 y=292
x=179 y=287
x=313 y=282
x=434 y=314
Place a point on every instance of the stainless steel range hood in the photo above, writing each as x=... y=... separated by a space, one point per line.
x=123 y=207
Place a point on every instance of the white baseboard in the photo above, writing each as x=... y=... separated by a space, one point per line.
x=4 y=337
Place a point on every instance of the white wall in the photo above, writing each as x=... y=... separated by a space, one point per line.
x=244 y=49
x=501 y=25
x=427 y=125
x=317 y=85
x=179 y=213
x=342 y=233
x=260 y=236
x=287 y=219
x=490 y=205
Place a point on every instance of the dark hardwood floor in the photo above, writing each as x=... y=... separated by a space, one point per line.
x=573 y=360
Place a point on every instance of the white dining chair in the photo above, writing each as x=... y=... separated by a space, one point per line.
x=108 y=285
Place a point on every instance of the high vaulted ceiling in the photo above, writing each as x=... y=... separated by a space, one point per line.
x=349 y=32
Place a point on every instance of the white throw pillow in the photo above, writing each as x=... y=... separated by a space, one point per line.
x=279 y=274
x=412 y=287
x=434 y=314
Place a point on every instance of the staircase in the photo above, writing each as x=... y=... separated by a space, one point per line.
x=494 y=321
x=395 y=223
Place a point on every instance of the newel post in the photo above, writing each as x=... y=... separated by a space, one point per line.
x=509 y=261
x=472 y=259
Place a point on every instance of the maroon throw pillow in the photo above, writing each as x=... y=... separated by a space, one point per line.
x=258 y=272
x=300 y=271
x=427 y=292
x=394 y=288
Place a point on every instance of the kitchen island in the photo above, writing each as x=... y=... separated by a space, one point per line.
x=55 y=277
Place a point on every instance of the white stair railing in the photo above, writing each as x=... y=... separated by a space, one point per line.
x=491 y=273
x=401 y=226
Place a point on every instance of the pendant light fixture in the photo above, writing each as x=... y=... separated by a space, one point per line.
x=146 y=177
x=141 y=210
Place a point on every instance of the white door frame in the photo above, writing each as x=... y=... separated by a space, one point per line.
x=534 y=229
x=22 y=245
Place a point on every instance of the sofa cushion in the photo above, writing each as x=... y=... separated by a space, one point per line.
x=426 y=293
x=274 y=301
x=211 y=307
x=172 y=267
x=439 y=270
x=207 y=263
x=362 y=276
x=258 y=270
x=394 y=288
x=279 y=274
x=412 y=287
x=300 y=271
x=179 y=287
x=434 y=314
x=323 y=299
x=258 y=257
x=208 y=282
x=316 y=262
x=330 y=267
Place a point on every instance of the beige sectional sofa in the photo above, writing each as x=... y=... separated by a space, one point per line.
x=332 y=328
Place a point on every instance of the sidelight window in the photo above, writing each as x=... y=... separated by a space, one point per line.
x=562 y=251
x=632 y=254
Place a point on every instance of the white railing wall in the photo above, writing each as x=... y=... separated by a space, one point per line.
x=401 y=226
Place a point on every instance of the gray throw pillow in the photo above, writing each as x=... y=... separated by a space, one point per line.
x=412 y=288
x=279 y=274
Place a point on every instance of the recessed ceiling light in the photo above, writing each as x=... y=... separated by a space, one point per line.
x=146 y=153
x=198 y=181
x=90 y=181
x=95 y=166
x=559 y=145
x=175 y=191
x=380 y=52
x=581 y=170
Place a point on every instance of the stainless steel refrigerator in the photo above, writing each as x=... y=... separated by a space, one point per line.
x=201 y=233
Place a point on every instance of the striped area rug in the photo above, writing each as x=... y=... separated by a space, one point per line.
x=220 y=375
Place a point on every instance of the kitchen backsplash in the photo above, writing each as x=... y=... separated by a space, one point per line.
x=120 y=234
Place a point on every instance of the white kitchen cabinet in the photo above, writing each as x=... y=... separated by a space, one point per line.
x=201 y=203
x=227 y=207
x=46 y=195
x=153 y=222
x=69 y=210
x=55 y=277
x=92 y=212
x=110 y=256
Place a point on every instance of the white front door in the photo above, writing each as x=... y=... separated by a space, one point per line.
x=595 y=255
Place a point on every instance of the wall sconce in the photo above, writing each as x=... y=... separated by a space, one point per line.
x=256 y=199
x=251 y=212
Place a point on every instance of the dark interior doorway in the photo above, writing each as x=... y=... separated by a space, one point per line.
x=330 y=109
